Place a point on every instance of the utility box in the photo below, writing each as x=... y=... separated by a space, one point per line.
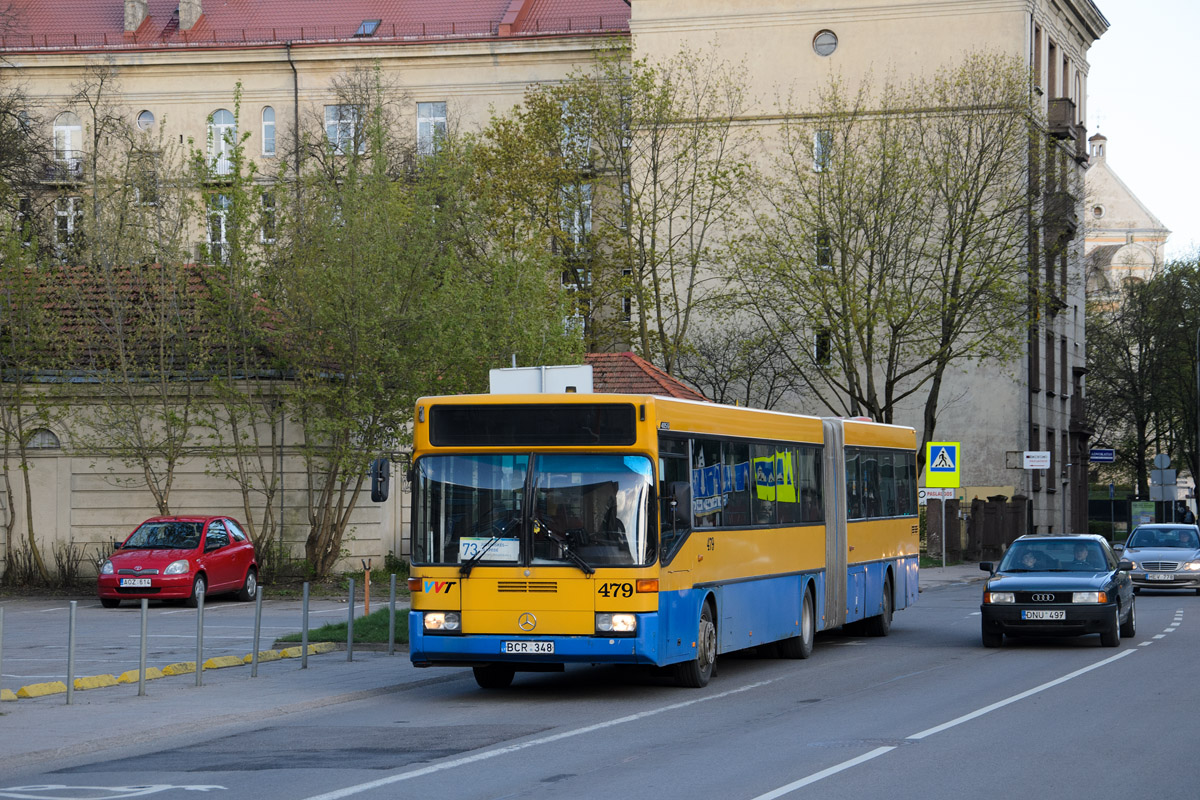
x=542 y=380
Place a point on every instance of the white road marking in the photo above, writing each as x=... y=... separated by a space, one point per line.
x=489 y=754
x=825 y=773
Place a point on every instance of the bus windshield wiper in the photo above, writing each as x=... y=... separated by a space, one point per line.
x=470 y=563
x=561 y=541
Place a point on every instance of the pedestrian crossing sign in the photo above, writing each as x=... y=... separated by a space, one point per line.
x=942 y=465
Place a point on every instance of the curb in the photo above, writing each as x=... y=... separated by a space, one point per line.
x=153 y=673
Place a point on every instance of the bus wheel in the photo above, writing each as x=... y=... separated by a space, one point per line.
x=881 y=625
x=695 y=673
x=801 y=646
x=494 y=676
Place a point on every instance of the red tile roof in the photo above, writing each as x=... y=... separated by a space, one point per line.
x=628 y=373
x=71 y=24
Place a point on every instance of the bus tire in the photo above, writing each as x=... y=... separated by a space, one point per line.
x=694 y=674
x=881 y=623
x=801 y=646
x=494 y=676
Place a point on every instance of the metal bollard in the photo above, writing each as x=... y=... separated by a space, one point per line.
x=1 y=648
x=142 y=652
x=350 y=626
x=199 y=640
x=304 y=630
x=257 y=630
x=71 y=653
x=392 y=617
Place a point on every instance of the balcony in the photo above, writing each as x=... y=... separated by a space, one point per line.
x=64 y=169
x=1060 y=217
x=1062 y=123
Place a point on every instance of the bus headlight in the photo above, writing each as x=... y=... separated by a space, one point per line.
x=616 y=623
x=442 y=621
x=999 y=597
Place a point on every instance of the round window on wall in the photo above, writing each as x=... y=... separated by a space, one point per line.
x=824 y=43
x=1097 y=211
x=145 y=120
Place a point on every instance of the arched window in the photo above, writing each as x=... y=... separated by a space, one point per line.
x=43 y=439
x=268 y=131
x=68 y=137
x=222 y=137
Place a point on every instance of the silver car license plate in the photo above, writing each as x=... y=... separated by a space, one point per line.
x=135 y=583
x=1036 y=614
x=1159 y=576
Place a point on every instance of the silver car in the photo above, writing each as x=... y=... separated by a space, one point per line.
x=1164 y=556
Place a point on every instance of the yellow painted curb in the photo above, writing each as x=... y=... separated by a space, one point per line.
x=181 y=668
x=7 y=694
x=322 y=647
x=131 y=676
x=291 y=652
x=42 y=689
x=217 y=662
x=95 y=682
x=263 y=655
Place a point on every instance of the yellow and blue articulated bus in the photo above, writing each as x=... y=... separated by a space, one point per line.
x=628 y=529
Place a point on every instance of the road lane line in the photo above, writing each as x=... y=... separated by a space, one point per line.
x=853 y=762
x=825 y=773
x=1016 y=697
x=489 y=754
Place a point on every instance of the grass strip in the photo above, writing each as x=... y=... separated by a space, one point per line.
x=372 y=628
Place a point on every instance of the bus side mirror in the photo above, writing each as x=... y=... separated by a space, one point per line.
x=380 y=480
x=681 y=498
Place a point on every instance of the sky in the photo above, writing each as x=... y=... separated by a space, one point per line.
x=1142 y=96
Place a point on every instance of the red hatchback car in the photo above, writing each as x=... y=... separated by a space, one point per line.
x=180 y=558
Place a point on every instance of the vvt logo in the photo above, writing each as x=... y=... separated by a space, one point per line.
x=436 y=587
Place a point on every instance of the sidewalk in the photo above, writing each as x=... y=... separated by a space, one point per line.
x=966 y=572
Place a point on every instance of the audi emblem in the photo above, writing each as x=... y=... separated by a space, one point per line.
x=527 y=622
x=1043 y=598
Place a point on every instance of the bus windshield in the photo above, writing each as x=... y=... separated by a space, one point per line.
x=592 y=508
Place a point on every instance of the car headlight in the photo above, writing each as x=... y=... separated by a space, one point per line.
x=1089 y=597
x=1192 y=566
x=616 y=623
x=107 y=568
x=442 y=621
x=179 y=567
x=999 y=597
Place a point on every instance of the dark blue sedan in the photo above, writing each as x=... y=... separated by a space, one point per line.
x=1066 y=585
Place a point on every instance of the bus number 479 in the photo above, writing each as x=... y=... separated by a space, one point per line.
x=613 y=589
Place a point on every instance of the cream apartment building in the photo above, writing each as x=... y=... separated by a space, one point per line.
x=178 y=64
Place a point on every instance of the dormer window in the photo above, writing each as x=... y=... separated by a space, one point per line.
x=368 y=27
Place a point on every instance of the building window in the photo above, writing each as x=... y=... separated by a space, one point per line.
x=822 y=149
x=626 y=295
x=824 y=43
x=68 y=219
x=343 y=129
x=824 y=249
x=25 y=219
x=431 y=127
x=823 y=347
x=145 y=176
x=68 y=138
x=368 y=27
x=218 y=227
x=266 y=233
x=576 y=219
x=43 y=439
x=145 y=120
x=222 y=138
x=268 y=131
x=1097 y=211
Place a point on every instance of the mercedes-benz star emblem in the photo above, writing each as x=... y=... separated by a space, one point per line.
x=527 y=622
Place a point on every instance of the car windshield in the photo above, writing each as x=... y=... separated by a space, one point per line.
x=1057 y=555
x=1163 y=537
x=473 y=509
x=172 y=535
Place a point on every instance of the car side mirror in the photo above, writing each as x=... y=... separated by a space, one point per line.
x=1124 y=565
x=1118 y=547
x=987 y=566
x=210 y=545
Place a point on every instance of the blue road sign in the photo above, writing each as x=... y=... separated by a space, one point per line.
x=1102 y=455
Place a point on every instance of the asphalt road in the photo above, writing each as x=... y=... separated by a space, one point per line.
x=926 y=712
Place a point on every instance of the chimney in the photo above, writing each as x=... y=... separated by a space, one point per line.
x=135 y=14
x=189 y=13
